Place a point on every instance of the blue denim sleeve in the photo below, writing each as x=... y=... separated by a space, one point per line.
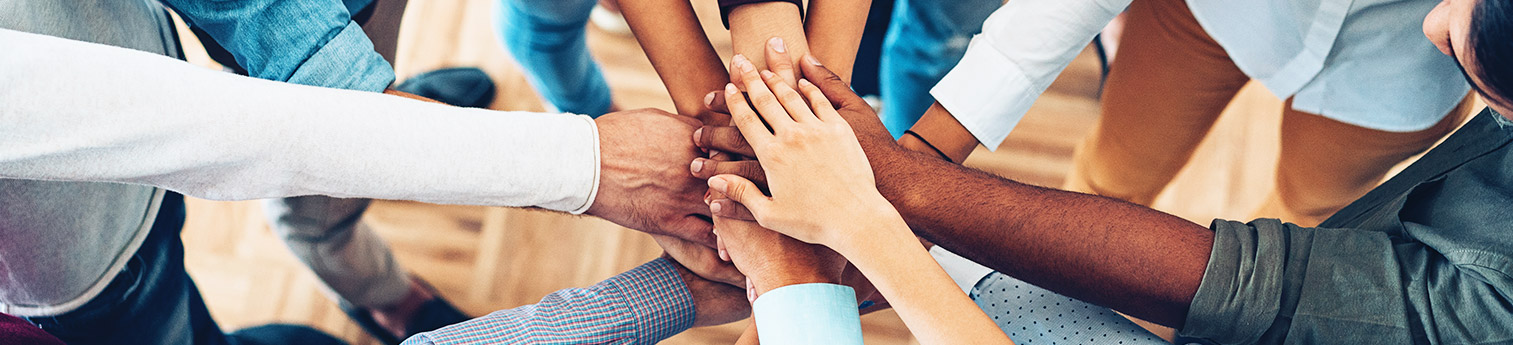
x=808 y=314
x=303 y=42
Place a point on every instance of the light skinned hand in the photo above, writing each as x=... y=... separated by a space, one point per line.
x=643 y=184
x=818 y=175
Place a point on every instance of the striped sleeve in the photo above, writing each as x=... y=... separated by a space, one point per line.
x=642 y=306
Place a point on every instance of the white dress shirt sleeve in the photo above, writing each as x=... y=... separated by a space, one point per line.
x=1023 y=46
x=964 y=272
x=76 y=111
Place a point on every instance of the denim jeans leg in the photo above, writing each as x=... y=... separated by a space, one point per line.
x=152 y=300
x=924 y=41
x=549 y=40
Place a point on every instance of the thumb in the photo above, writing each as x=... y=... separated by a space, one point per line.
x=835 y=89
x=742 y=191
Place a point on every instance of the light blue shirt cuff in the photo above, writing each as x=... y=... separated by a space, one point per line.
x=347 y=61
x=808 y=314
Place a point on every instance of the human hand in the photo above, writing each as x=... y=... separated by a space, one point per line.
x=714 y=303
x=819 y=177
x=642 y=183
x=772 y=260
x=700 y=259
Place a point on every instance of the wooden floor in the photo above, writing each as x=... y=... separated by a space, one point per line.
x=485 y=259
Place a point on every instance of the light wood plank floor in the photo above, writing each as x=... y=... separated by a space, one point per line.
x=485 y=259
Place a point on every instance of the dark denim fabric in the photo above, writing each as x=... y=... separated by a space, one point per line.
x=154 y=301
x=1426 y=258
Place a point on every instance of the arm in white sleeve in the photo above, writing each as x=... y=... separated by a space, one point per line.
x=1023 y=46
x=75 y=111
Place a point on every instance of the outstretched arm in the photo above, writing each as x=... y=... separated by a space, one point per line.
x=1109 y=252
x=823 y=192
x=642 y=306
x=678 y=49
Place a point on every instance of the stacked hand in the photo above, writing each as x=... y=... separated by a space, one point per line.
x=642 y=184
x=821 y=190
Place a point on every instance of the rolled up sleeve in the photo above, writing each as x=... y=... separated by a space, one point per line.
x=303 y=42
x=1270 y=283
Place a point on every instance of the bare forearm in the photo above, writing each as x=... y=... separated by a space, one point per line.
x=924 y=296
x=1124 y=256
x=835 y=31
x=938 y=133
x=678 y=49
x=751 y=25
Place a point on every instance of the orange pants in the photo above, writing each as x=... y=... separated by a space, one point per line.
x=1167 y=87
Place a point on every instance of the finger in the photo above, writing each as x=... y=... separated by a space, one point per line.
x=722 y=138
x=726 y=208
x=835 y=89
x=818 y=102
x=751 y=294
x=745 y=119
x=716 y=112
x=791 y=100
x=720 y=246
x=751 y=170
x=778 y=61
x=742 y=191
x=761 y=97
x=695 y=229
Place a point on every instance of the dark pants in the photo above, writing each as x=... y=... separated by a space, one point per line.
x=153 y=301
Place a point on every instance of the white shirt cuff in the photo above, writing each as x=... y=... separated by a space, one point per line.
x=593 y=190
x=964 y=272
x=987 y=93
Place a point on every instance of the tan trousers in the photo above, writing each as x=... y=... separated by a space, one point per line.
x=1167 y=87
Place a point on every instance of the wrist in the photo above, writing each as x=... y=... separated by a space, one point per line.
x=873 y=233
x=791 y=275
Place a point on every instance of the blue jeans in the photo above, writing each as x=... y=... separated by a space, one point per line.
x=925 y=40
x=548 y=39
x=153 y=301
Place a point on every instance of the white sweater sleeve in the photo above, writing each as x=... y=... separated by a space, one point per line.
x=75 y=111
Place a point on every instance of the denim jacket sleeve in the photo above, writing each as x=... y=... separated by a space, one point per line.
x=303 y=42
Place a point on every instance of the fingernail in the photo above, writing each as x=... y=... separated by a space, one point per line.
x=716 y=206
x=698 y=164
x=811 y=60
x=718 y=184
x=698 y=133
x=805 y=82
x=864 y=305
x=731 y=90
x=709 y=99
x=768 y=75
x=777 y=45
x=724 y=255
x=743 y=63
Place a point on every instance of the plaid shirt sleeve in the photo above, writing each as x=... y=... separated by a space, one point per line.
x=642 y=306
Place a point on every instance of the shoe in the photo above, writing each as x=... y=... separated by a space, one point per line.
x=433 y=314
x=459 y=86
x=280 y=334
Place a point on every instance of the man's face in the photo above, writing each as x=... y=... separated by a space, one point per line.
x=1448 y=26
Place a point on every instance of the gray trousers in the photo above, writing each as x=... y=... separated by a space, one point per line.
x=328 y=235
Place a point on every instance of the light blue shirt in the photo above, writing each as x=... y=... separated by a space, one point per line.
x=819 y=314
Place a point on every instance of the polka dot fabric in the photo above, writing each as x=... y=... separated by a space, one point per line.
x=1031 y=315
